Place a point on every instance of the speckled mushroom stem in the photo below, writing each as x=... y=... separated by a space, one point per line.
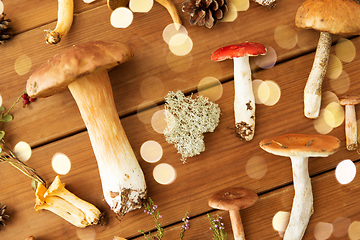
x=236 y=224
x=350 y=127
x=302 y=207
x=244 y=103
x=312 y=92
x=64 y=22
x=123 y=181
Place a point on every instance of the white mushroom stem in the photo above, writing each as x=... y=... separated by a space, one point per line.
x=350 y=128
x=123 y=181
x=302 y=207
x=171 y=8
x=312 y=92
x=244 y=103
x=236 y=224
x=64 y=22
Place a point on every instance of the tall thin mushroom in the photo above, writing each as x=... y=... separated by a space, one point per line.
x=329 y=17
x=83 y=69
x=244 y=102
x=299 y=147
x=351 y=132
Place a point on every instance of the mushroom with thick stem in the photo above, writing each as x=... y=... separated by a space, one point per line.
x=83 y=70
x=299 y=147
x=67 y=205
x=351 y=133
x=233 y=200
x=64 y=22
x=329 y=17
x=244 y=102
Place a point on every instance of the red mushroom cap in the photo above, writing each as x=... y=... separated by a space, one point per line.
x=238 y=50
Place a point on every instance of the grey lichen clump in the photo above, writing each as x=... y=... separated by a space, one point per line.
x=187 y=119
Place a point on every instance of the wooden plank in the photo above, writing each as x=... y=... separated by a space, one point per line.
x=152 y=60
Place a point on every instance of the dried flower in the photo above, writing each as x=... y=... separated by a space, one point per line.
x=151 y=208
x=217 y=227
x=185 y=225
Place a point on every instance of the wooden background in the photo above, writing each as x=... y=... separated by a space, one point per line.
x=54 y=124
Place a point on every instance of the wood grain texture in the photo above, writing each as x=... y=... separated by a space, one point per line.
x=54 y=124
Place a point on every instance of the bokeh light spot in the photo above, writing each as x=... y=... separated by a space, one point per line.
x=321 y=125
x=280 y=221
x=1 y=100
x=171 y=30
x=285 y=36
x=121 y=17
x=256 y=167
x=334 y=67
x=152 y=87
x=231 y=15
x=337 y=114
x=345 y=171
x=164 y=173
x=61 y=163
x=341 y=84
x=179 y=63
x=261 y=91
x=345 y=50
x=275 y=93
x=1 y=7
x=158 y=121
x=211 y=88
x=268 y=60
x=23 y=151
x=323 y=230
x=180 y=44
x=145 y=111
x=328 y=97
x=142 y=6
x=22 y=64
x=88 y=1
x=241 y=5
x=354 y=230
x=151 y=151
x=341 y=226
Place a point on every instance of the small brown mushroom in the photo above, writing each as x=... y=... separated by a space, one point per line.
x=349 y=101
x=299 y=147
x=233 y=200
x=329 y=17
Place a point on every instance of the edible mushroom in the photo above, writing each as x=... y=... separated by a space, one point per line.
x=329 y=17
x=299 y=147
x=83 y=70
x=349 y=101
x=244 y=102
x=64 y=22
x=233 y=200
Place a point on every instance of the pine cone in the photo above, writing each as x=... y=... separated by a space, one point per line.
x=3 y=216
x=4 y=29
x=205 y=12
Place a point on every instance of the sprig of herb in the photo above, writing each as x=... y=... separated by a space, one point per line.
x=217 y=227
x=185 y=225
x=151 y=208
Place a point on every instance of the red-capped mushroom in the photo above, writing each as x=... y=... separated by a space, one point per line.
x=233 y=200
x=244 y=102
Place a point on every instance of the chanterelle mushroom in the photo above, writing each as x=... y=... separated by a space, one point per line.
x=233 y=200
x=244 y=103
x=349 y=101
x=299 y=147
x=83 y=69
x=329 y=17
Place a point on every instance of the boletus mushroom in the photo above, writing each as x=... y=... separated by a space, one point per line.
x=233 y=200
x=299 y=147
x=329 y=17
x=83 y=70
x=244 y=102
x=351 y=132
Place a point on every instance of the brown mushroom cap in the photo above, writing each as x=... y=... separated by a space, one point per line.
x=301 y=145
x=58 y=72
x=349 y=100
x=333 y=16
x=233 y=199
